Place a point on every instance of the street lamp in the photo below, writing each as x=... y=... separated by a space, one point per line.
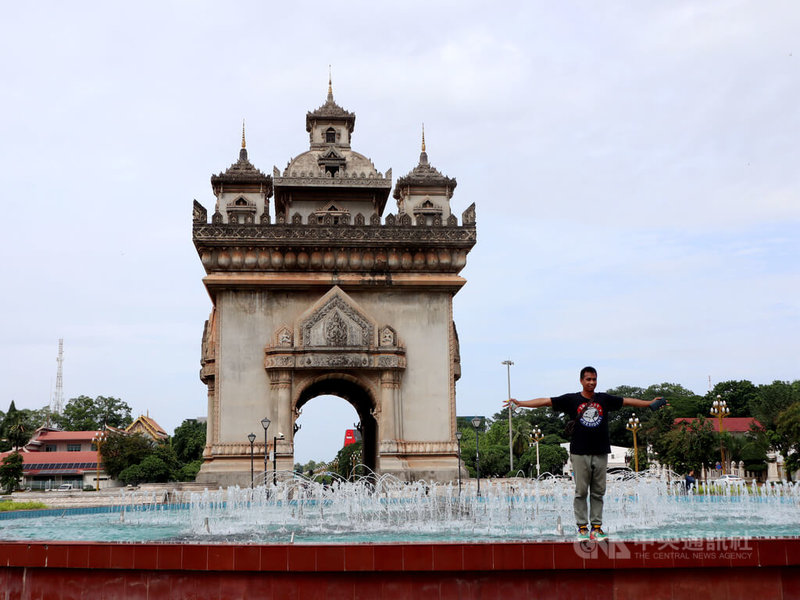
x=719 y=409
x=458 y=439
x=98 y=440
x=476 y=422
x=537 y=437
x=634 y=426
x=508 y=364
x=265 y=424
x=251 y=438
x=275 y=457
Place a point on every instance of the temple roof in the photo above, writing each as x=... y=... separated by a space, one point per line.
x=242 y=172
x=330 y=111
x=424 y=175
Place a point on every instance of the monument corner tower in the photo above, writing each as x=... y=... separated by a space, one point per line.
x=331 y=297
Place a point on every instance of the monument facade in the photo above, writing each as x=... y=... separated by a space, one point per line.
x=329 y=297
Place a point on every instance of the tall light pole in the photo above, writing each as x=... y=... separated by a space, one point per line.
x=537 y=437
x=720 y=409
x=633 y=426
x=275 y=457
x=251 y=438
x=508 y=364
x=458 y=439
x=98 y=440
x=265 y=424
x=476 y=422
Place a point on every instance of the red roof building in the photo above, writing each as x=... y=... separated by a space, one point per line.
x=53 y=458
x=732 y=425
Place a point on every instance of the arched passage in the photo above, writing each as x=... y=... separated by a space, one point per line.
x=359 y=398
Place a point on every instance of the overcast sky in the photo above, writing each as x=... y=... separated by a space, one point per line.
x=635 y=168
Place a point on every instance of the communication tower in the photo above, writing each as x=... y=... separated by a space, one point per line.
x=57 y=404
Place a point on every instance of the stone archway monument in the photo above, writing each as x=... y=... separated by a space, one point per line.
x=332 y=298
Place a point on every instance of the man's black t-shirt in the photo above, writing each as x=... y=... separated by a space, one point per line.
x=591 y=430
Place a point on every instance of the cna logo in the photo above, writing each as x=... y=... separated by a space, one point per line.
x=589 y=549
x=591 y=414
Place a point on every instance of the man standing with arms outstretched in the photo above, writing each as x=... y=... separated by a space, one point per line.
x=590 y=444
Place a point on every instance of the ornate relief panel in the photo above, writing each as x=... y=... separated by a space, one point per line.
x=335 y=333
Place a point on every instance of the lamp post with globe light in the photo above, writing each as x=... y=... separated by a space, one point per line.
x=265 y=424
x=537 y=437
x=275 y=457
x=476 y=423
x=508 y=364
x=458 y=439
x=251 y=438
x=720 y=410
x=98 y=440
x=633 y=426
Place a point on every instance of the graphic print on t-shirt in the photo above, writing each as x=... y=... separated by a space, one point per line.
x=591 y=414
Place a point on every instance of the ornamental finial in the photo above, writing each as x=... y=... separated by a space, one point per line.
x=244 y=144
x=330 y=85
x=423 y=137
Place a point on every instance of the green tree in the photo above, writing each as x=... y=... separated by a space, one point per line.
x=17 y=434
x=754 y=453
x=86 y=414
x=122 y=451
x=788 y=431
x=738 y=395
x=691 y=445
x=132 y=475
x=347 y=461
x=155 y=470
x=771 y=400
x=189 y=440
x=189 y=471
x=552 y=459
x=11 y=472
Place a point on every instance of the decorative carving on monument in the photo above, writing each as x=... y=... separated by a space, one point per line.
x=280 y=379
x=452 y=221
x=265 y=218
x=284 y=337
x=216 y=218
x=337 y=322
x=423 y=448
x=404 y=220
x=388 y=336
x=335 y=331
x=214 y=234
x=390 y=379
x=468 y=216
x=359 y=220
x=199 y=213
x=297 y=219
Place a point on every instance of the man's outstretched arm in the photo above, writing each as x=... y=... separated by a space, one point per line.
x=654 y=403
x=535 y=403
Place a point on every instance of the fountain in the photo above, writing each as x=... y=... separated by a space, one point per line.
x=384 y=509
x=518 y=531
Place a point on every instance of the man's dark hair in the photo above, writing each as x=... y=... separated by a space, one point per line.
x=585 y=370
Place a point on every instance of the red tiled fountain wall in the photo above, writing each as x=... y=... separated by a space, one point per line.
x=761 y=569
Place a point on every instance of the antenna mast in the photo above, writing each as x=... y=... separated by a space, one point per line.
x=58 y=398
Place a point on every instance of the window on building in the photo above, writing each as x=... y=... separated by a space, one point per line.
x=50 y=448
x=330 y=136
x=73 y=447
